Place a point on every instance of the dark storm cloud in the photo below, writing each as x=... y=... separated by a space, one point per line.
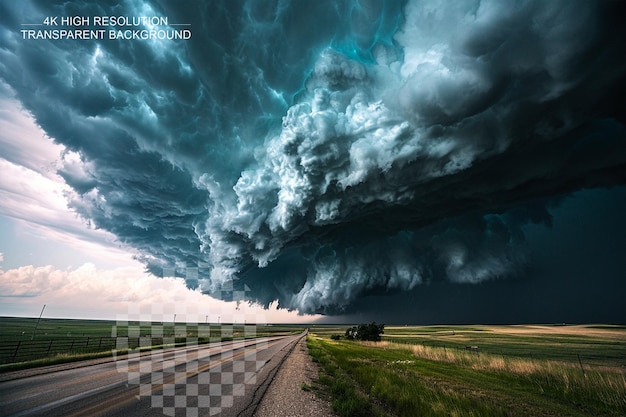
x=577 y=276
x=323 y=151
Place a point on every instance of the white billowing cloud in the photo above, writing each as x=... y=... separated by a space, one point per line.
x=87 y=291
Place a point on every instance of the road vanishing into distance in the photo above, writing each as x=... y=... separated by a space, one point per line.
x=225 y=379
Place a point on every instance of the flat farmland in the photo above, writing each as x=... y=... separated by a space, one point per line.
x=24 y=343
x=539 y=370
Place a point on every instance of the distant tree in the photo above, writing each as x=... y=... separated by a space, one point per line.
x=335 y=337
x=351 y=333
x=370 y=332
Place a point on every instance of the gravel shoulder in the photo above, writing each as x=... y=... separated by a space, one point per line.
x=285 y=396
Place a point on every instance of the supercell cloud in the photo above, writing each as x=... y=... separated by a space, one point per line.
x=322 y=152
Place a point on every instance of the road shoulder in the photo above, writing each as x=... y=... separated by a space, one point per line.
x=285 y=396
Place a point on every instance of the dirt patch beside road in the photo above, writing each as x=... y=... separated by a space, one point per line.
x=285 y=396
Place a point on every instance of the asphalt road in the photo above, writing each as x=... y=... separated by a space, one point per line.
x=225 y=379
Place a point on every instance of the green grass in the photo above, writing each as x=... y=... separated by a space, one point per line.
x=17 y=328
x=21 y=328
x=422 y=377
x=346 y=399
x=534 y=342
x=56 y=360
x=73 y=340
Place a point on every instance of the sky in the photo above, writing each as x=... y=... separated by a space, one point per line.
x=398 y=161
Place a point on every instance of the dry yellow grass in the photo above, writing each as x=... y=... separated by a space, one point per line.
x=606 y=384
x=572 y=330
x=488 y=362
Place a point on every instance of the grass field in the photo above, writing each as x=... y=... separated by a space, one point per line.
x=64 y=340
x=511 y=371
x=19 y=328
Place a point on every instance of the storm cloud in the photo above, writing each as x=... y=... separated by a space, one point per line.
x=323 y=152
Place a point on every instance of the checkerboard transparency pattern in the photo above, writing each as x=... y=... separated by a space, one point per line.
x=189 y=382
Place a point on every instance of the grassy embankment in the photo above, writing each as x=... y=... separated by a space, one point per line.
x=73 y=340
x=516 y=371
